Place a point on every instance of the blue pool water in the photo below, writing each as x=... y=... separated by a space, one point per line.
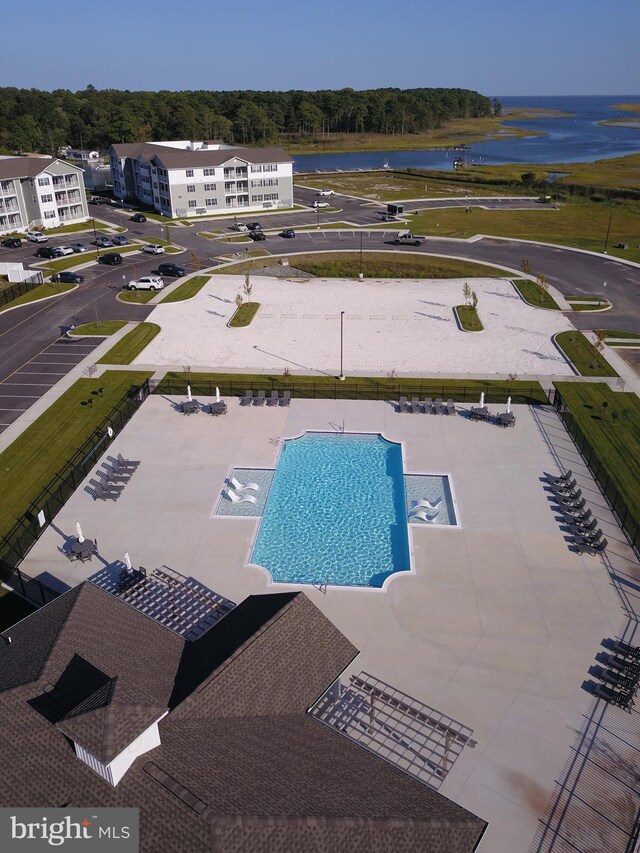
x=336 y=512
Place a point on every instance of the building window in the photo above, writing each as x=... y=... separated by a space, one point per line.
x=46 y=198
x=211 y=202
x=256 y=168
x=209 y=188
x=207 y=172
x=49 y=214
x=192 y=202
x=189 y=173
x=43 y=182
x=191 y=188
x=270 y=196
x=270 y=167
x=256 y=198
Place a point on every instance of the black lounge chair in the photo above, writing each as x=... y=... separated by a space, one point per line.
x=569 y=500
x=631 y=667
x=620 y=698
x=623 y=681
x=564 y=488
x=125 y=464
x=402 y=404
x=592 y=546
x=559 y=480
x=248 y=397
x=273 y=399
x=625 y=649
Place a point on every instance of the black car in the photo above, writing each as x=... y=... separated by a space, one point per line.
x=12 y=242
x=48 y=252
x=288 y=232
x=171 y=269
x=110 y=258
x=137 y=217
x=68 y=277
x=257 y=235
x=254 y=226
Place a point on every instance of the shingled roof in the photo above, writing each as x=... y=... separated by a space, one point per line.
x=168 y=157
x=241 y=765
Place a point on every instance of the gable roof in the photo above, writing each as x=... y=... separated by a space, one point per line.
x=29 y=167
x=241 y=765
x=168 y=157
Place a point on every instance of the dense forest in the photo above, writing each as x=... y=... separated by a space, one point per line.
x=38 y=121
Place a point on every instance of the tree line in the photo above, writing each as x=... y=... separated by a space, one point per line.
x=39 y=121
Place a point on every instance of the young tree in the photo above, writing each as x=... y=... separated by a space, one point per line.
x=528 y=178
x=238 y=300
x=598 y=346
x=248 y=286
x=474 y=300
x=466 y=292
x=543 y=284
x=525 y=266
x=195 y=262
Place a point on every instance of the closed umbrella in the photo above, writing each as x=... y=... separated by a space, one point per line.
x=189 y=393
x=79 y=532
x=217 y=394
x=127 y=561
x=508 y=404
x=482 y=399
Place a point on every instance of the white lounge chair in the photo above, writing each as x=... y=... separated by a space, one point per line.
x=241 y=487
x=236 y=499
x=420 y=505
x=422 y=516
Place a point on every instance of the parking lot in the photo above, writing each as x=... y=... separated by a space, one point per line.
x=22 y=388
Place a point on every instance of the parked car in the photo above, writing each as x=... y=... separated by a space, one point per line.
x=239 y=226
x=111 y=258
x=257 y=235
x=12 y=242
x=254 y=226
x=171 y=269
x=321 y=204
x=48 y=252
x=78 y=248
x=119 y=240
x=137 y=217
x=288 y=232
x=69 y=277
x=405 y=238
x=153 y=249
x=99 y=199
x=65 y=250
x=103 y=242
x=325 y=192
x=35 y=236
x=147 y=282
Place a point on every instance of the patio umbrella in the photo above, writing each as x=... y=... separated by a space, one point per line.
x=508 y=404
x=127 y=561
x=482 y=399
x=79 y=532
x=189 y=393
x=217 y=394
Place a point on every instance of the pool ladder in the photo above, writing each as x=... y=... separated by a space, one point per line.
x=337 y=427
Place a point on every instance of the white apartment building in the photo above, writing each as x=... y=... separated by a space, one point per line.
x=40 y=192
x=193 y=178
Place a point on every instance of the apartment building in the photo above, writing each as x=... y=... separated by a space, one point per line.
x=194 y=178
x=40 y=192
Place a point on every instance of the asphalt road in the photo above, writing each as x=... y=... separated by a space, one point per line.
x=30 y=334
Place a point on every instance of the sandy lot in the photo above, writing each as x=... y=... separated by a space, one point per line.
x=404 y=325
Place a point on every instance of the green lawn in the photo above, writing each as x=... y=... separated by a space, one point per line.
x=533 y=294
x=31 y=461
x=363 y=388
x=187 y=289
x=103 y=329
x=583 y=355
x=376 y=265
x=613 y=432
x=41 y=292
x=244 y=314
x=469 y=319
x=138 y=297
x=131 y=345
x=70 y=261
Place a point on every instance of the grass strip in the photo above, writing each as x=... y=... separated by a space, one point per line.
x=31 y=461
x=244 y=314
x=102 y=329
x=131 y=345
x=469 y=319
x=583 y=355
x=76 y=260
x=377 y=265
x=187 y=289
x=41 y=292
x=618 y=333
x=613 y=431
x=138 y=297
x=535 y=295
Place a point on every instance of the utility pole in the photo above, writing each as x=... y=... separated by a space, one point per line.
x=341 y=377
x=606 y=242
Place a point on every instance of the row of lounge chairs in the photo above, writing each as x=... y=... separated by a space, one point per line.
x=587 y=536
x=428 y=406
x=261 y=398
x=112 y=478
x=621 y=678
x=236 y=491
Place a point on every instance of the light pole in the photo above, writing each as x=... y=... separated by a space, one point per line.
x=341 y=377
x=361 y=270
x=95 y=239
x=606 y=242
x=318 y=215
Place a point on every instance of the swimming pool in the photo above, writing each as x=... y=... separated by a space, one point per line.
x=336 y=512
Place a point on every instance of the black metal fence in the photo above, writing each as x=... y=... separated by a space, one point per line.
x=372 y=389
x=17 y=543
x=627 y=518
x=13 y=291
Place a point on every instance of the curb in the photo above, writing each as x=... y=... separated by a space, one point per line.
x=41 y=299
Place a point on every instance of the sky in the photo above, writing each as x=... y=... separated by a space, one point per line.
x=497 y=47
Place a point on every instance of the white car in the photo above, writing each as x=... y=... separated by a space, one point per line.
x=325 y=192
x=147 y=282
x=153 y=249
x=321 y=204
x=65 y=250
x=239 y=226
x=36 y=236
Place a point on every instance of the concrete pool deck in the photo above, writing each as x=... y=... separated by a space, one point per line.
x=497 y=627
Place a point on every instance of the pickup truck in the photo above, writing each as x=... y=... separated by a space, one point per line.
x=404 y=238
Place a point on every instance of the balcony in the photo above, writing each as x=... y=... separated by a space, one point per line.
x=9 y=208
x=230 y=188
x=241 y=173
x=7 y=188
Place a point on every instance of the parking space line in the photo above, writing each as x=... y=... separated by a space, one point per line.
x=40 y=373
x=65 y=363
x=6 y=409
x=22 y=396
